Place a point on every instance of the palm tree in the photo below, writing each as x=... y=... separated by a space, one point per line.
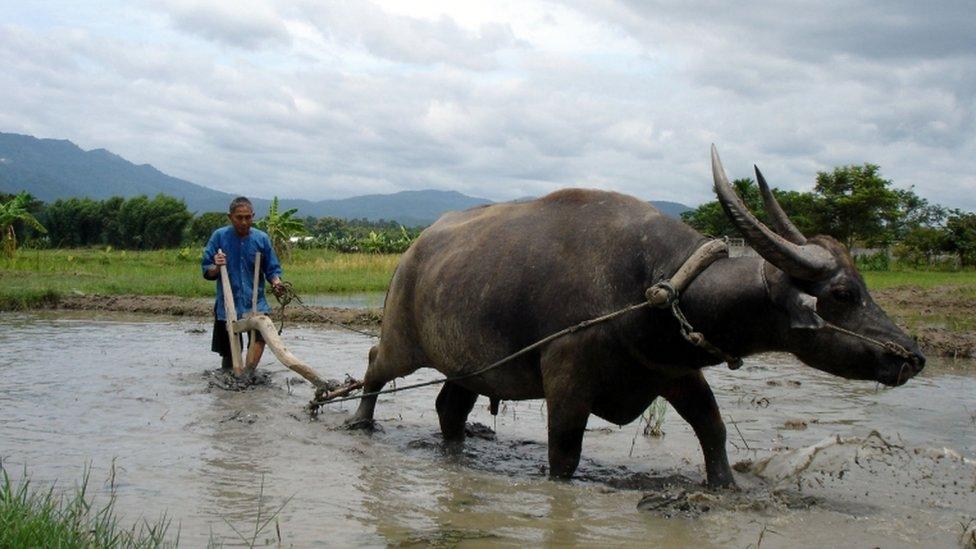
x=281 y=226
x=11 y=211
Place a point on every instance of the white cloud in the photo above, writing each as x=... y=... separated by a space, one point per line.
x=501 y=99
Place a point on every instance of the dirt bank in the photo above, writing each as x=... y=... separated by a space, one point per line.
x=178 y=306
x=941 y=318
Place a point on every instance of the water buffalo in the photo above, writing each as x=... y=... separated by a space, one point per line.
x=483 y=283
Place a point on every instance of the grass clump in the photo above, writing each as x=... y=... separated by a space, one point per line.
x=37 y=517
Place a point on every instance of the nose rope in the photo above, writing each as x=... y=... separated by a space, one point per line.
x=889 y=346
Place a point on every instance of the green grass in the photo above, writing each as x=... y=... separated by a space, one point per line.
x=877 y=280
x=37 y=517
x=35 y=277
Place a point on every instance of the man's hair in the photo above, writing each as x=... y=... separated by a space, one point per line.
x=238 y=202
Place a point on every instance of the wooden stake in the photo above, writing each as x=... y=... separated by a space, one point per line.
x=230 y=314
x=254 y=298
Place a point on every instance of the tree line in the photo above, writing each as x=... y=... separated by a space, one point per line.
x=854 y=204
x=143 y=223
x=858 y=207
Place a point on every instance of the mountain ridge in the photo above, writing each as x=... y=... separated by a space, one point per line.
x=52 y=169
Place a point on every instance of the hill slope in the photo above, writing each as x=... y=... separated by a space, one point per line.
x=55 y=168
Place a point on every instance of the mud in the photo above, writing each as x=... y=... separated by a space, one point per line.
x=930 y=315
x=132 y=397
x=903 y=303
x=226 y=380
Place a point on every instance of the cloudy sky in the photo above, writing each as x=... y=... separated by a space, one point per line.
x=330 y=99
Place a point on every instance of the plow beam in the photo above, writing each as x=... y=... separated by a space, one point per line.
x=264 y=325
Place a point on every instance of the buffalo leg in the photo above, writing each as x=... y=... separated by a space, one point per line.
x=378 y=374
x=568 y=402
x=454 y=403
x=693 y=399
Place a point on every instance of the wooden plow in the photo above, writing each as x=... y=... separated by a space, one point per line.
x=255 y=322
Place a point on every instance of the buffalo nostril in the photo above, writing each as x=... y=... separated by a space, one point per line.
x=918 y=360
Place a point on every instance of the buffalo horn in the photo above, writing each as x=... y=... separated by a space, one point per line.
x=807 y=261
x=781 y=222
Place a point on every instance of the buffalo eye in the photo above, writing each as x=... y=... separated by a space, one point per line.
x=844 y=293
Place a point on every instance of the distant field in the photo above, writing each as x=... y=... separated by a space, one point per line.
x=877 y=280
x=34 y=276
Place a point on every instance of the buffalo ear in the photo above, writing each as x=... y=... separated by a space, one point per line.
x=803 y=312
x=800 y=306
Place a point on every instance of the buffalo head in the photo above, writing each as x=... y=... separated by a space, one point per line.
x=829 y=320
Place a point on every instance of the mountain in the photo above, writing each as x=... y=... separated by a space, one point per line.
x=51 y=169
x=674 y=209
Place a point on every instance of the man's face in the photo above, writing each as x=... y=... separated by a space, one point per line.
x=241 y=218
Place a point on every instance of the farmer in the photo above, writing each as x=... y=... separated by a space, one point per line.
x=235 y=246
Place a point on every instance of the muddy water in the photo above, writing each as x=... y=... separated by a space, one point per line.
x=128 y=396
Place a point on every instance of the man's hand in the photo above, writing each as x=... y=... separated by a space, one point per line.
x=277 y=288
x=213 y=271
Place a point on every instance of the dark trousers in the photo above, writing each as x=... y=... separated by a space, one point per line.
x=220 y=343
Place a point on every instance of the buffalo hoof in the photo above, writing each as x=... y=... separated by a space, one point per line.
x=722 y=484
x=360 y=424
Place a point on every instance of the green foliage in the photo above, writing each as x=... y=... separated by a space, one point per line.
x=710 y=218
x=802 y=208
x=281 y=227
x=360 y=235
x=961 y=230
x=329 y=225
x=855 y=204
x=14 y=210
x=137 y=223
x=878 y=261
x=37 y=517
x=204 y=225
x=921 y=246
x=654 y=417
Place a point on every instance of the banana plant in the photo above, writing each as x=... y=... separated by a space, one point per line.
x=12 y=211
x=281 y=227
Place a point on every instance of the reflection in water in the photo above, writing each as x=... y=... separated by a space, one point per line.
x=79 y=390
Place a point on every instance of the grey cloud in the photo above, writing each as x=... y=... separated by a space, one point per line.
x=245 y=25
x=813 y=30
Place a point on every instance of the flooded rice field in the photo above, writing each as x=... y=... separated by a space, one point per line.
x=819 y=460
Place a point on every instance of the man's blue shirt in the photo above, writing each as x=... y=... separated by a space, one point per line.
x=240 y=267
